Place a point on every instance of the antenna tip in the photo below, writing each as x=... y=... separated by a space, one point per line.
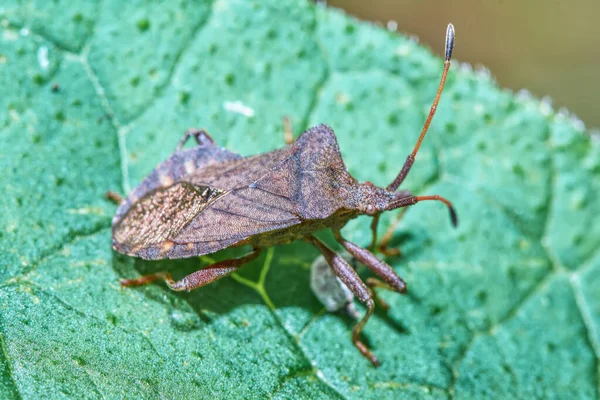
x=449 y=41
x=453 y=216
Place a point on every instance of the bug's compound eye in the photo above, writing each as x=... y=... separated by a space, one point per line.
x=370 y=209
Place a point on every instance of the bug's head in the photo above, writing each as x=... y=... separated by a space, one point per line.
x=372 y=200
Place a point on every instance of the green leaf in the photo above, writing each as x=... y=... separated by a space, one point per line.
x=94 y=95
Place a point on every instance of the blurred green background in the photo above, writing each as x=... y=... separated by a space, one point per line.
x=549 y=47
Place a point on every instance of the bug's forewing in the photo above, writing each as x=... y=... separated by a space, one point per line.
x=179 y=166
x=148 y=226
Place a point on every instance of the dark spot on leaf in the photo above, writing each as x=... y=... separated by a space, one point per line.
x=134 y=81
x=512 y=273
x=77 y=18
x=79 y=361
x=482 y=296
x=229 y=79
x=349 y=29
x=184 y=97
x=196 y=354
x=112 y=318
x=518 y=170
x=59 y=116
x=436 y=310
x=38 y=79
x=511 y=107
x=393 y=119
x=143 y=24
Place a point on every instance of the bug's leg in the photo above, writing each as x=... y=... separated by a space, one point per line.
x=196 y=279
x=351 y=279
x=374 y=224
x=288 y=134
x=201 y=136
x=383 y=244
x=114 y=197
x=380 y=268
x=373 y=283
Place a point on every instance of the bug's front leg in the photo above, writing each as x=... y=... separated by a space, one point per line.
x=383 y=244
x=288 y=133
x=196 y=279
x=201 y=136
x=380 y=268
x=351 y=279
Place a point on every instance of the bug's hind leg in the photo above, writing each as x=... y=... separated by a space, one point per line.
x=196 y=279
x=391 y=280
x=201 y=136
x=351 y=279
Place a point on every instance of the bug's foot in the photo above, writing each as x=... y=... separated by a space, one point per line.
x=367 y=353
x=389 y=251
x=114 y=197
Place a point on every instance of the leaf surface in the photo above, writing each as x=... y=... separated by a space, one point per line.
x=95 y=95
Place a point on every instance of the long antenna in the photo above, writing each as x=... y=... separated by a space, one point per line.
x=411 y=157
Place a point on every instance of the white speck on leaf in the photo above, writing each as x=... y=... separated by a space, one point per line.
x=546 y=106
x=577 y=123
x=239 y=108
x=14 y=115
x=42 y=56
x=524 y=95
x=403 y=50
x=9 y=35
x=465 y=67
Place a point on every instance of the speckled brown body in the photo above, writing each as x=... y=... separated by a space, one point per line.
x=204 y=199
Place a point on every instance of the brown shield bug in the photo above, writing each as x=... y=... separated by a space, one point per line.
x=206 y=198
